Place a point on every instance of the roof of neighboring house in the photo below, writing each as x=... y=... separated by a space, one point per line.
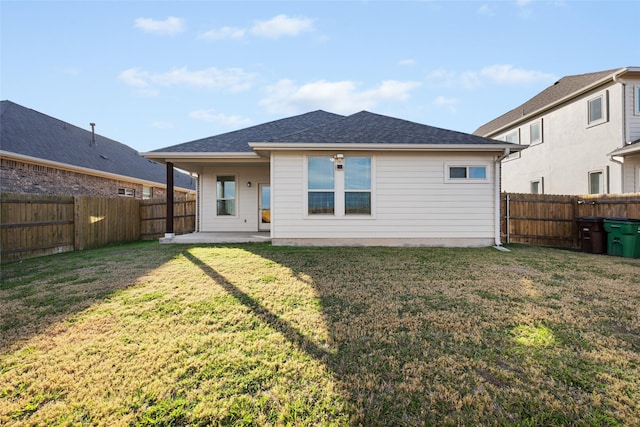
x=560 y=90
x=370 y=128
x=237 y=141
x=629 y=149
x=30 y=133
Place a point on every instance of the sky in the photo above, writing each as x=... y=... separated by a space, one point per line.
x=152 y=74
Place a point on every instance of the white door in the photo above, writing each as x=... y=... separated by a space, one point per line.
x=264 y=207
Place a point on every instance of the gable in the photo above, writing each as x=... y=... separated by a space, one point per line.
x=562 y=89
x=370 y=128
x=237 y=141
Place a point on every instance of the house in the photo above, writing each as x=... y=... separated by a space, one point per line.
x=43 y=155
x=365 y=179
x=583 y=134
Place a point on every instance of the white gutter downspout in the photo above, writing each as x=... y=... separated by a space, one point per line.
x=498 y=166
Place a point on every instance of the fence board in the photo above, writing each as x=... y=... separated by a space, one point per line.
x=35 y=225
x=542 y=219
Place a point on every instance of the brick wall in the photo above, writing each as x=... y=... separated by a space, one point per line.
x=20 y=177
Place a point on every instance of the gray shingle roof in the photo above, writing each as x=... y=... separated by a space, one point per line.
x=370 y=128
x=559 y=90
x=237 y=141
x=31 y=133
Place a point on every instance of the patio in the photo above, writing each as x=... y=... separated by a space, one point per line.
x=219 y=237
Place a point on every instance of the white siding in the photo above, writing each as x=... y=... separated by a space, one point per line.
x=570 y=149
x=246 y=218
x=411 y=202
x=633 y=117
x=631 y=174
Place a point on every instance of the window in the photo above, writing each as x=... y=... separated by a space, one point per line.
x=535 y=132
x=320 y=185
x=513 y=137
x=596 y=182
x=226 y=195
x=636 y=109
x=357 y=186
x=127 y=192
x=597 y=110
x=147 y=192
x=339 y=186
x=536 y=188
x=456 y=173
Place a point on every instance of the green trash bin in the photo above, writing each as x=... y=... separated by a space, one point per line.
x=623 y=237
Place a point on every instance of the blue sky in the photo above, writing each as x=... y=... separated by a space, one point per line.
x=152 y=74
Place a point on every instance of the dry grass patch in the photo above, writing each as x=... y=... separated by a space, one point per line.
x=258 y=335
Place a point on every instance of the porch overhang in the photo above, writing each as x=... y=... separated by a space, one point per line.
x=196 y=161
x=627 y=150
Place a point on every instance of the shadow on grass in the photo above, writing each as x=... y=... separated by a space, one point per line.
x=39 y=293
x=287 y=330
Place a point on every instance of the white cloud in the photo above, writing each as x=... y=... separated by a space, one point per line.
x=170 y=26
x=486 y=10
x=451 y=103
x=282 y=25
x=274 y=28
x=498 y=74
x=231 y=79
x=162 y=125
x=510 y=75
x=343 y=97
x=224 y=33
x=407 y=62
x=211 y=116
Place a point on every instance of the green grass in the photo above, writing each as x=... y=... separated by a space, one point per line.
x=149 y=334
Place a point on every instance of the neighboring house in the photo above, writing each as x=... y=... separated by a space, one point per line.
x=44 y=155
x=582 y=134
x=365 y=179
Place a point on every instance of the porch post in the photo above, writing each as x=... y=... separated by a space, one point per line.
x=169 y=225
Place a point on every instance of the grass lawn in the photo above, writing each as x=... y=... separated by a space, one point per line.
x=149 y=334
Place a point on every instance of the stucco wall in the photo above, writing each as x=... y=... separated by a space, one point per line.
x=570 y=148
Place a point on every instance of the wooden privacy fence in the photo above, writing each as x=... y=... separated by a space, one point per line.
x=550 y=220
x=36 y=225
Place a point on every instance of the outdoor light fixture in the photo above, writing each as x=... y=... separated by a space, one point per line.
x=337 y=159
x=248 y=183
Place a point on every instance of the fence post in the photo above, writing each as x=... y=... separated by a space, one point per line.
x=506 y=219
x=78 y=225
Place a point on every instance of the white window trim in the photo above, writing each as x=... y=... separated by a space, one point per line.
x=516 y=155
x=540 y=140
x=237 y=204
x=605 y=109
x=601 y=172
x=338 y=192
x=126 y=192
x=540 y=182
x=487 y=179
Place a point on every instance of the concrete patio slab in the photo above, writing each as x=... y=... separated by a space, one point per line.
x=218 y=237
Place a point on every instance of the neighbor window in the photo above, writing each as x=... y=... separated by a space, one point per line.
x=513 y=137
x=357 y=186
x=147 y=192
x=596 y=182
x=320 y=185
x=226 y=195
x=637 y=100
x=127 y=192
x=535 y=132
x=597 y=110
x=536 y=187
x=466 y=173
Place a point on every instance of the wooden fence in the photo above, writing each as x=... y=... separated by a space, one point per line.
x=36 y=225
x=550 y=220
